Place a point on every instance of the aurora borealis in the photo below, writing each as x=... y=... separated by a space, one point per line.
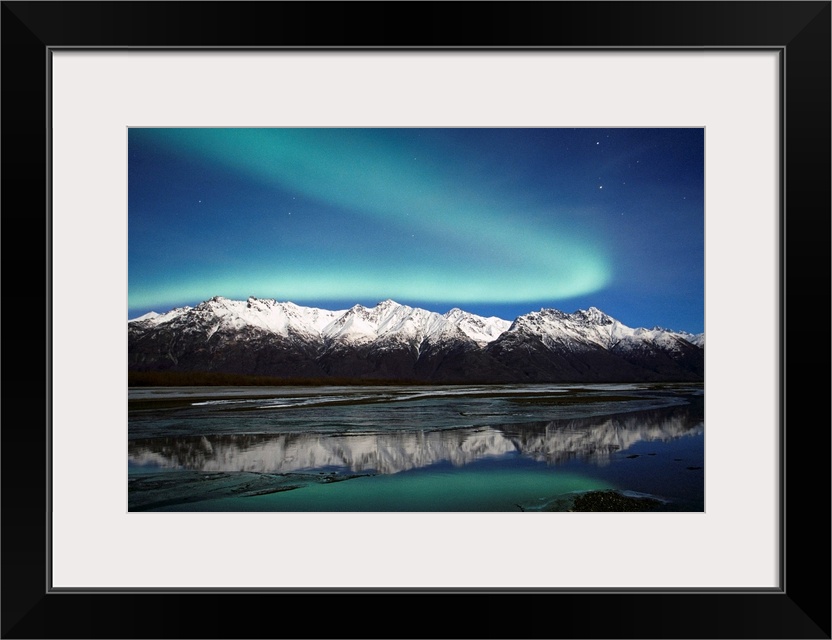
x=496 y=221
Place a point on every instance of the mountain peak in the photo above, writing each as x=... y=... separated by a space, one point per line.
x=388 y=304
x=211 y=303
x=593 y=315
x=254 y=302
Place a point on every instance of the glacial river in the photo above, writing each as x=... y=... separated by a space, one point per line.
x=414 y=448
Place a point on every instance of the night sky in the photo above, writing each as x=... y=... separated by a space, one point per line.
x=494 y=221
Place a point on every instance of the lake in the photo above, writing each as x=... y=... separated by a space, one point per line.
x=521 y=448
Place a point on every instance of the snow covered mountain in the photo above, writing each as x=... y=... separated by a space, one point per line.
x=398 y=342
x=589 y=345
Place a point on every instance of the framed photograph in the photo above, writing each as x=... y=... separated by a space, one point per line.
x=367 y=388
x=198 y=164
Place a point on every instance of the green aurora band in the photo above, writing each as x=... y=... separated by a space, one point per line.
x=490 y=251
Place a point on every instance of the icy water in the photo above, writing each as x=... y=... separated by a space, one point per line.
x=415 y=448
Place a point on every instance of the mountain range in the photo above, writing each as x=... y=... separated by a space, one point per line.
x=396 y=342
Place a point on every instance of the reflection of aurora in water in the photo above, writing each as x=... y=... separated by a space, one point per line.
x=203 y=462
x=391 y=452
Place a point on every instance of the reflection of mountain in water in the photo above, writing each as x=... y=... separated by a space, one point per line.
x=381 y=452
x=594 y=439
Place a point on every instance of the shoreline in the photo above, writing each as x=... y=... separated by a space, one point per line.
x=143 y=379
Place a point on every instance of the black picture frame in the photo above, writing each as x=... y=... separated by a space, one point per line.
x=799 y=31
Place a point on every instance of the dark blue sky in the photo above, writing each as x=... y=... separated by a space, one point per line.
x=494 y=221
